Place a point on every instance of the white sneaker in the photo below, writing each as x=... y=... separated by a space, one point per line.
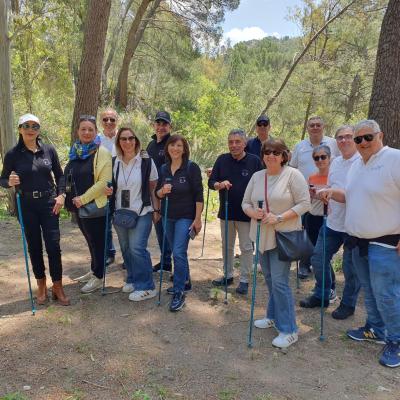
x=284 y=340
x=84 y=278
x=264 y=323
x=127 y=288
x=139 y=295
x=93 y=284
x=332 y=296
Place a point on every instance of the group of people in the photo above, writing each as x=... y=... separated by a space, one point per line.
x=351 y=181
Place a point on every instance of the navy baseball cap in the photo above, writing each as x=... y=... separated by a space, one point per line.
x=163 y=116
x=263 y=118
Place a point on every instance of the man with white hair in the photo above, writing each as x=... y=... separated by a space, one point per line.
x=372 y=196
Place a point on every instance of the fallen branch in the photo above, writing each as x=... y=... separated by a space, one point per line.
x=95 y=384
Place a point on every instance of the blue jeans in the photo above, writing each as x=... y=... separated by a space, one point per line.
x=137 y=259
x=111 y=249
x=280 y=306
x=178 y=237
x=333 y=241
x=379 y=274
x=167 y=249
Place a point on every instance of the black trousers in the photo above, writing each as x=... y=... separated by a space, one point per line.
x=38 y=218
x=93 y=229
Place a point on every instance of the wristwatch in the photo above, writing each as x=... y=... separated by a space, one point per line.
x=279 y=218
x=64 y=195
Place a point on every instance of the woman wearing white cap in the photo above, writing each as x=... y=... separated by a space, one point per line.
x=34 y=169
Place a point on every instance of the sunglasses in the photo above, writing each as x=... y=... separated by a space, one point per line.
x=34 y=127
x=315 y=125
x=323 y=157
x=109 y=120
x=262 y=123
x=274 y=152
x=85 y=117
x=368 y=137
x=342 y=138
x=127 y=139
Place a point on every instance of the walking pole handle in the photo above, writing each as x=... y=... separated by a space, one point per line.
x=260 y=205
x=325 y=210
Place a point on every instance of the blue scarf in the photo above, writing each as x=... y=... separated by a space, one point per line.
x=83 y=151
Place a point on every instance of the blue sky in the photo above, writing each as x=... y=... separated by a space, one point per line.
x=255 y=19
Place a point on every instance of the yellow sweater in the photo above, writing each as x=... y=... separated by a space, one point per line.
x=102 y=174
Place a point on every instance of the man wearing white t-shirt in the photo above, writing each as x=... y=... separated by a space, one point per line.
x=302 y=160
x=109 y=122
x=335 y=235
x=372 y=196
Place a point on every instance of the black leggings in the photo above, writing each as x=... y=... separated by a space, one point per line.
x=93 y=230
x=38 y=218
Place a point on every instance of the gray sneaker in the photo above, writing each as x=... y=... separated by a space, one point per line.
x=93 y=284
x=243 y=288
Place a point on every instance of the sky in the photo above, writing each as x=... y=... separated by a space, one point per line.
x=255 y=19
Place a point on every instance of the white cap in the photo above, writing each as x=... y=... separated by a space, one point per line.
x=28 y=117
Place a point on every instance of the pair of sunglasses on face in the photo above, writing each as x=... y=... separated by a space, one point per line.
x=322 y=158
x=34 y=127
x=274 y=152
x=368 y=137
x=109 y=120
x=262 y=123
x=127 y=139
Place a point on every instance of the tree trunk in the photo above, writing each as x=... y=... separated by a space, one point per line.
x=353 y=97
x=94 y=40
x=384 y=105
x=121 y=93
x=7 y=136
x=307 y=115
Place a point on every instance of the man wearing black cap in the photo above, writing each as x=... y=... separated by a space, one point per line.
x=263 y=126
x=162 y=129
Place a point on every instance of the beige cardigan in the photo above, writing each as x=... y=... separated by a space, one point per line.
x=289 y=192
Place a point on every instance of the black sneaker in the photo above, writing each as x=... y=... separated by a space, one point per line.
x=221 y=281
x=343 y=311
x=110 y=260
x=177 y=302
x=313 y=302
x=243 y=288
x=188 y=288
x=364 y=333
x=167 y=267
x=304 y=272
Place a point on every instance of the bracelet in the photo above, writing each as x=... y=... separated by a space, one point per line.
x=157 y=211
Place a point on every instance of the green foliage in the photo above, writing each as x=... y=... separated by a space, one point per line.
x=140 y=395
x=13 y=396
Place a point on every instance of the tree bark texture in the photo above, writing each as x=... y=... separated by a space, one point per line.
x=88 y=86
x=384 y=106
x=121 y=92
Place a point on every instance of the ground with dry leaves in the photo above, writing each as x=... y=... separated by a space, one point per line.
x=111 y=348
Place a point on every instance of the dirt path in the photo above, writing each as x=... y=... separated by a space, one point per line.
x=111 y=348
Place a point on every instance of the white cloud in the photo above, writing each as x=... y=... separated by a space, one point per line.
x=237 y=35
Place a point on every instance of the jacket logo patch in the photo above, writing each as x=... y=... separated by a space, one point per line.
x=161 y=152
x=46 y=161
x=182 y=179
x=245 y=172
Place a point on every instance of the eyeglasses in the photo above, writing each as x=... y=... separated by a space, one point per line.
x=274 y=152
x=316 y=125
x=368 y=137
x=262 y=123
x=323 y=157
x=342 y=138
x=127 y=139
x=34 y=127
x=86 y=117
x=109 y=120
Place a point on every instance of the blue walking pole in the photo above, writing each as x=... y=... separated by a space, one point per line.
x=253 y=291
x=226 y=248
x=167 y=180
x=21 y=223
x=321 y=336
x=205 y=223
x=109 y=184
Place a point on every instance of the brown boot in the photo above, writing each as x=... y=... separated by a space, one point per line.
x=41 y=296
x=59 y=295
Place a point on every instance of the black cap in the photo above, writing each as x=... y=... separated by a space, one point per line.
x=263 y=118
x=163 y=116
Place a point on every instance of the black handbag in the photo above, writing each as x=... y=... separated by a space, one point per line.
x=125 y=218
x=90 y=210
x=293 y=245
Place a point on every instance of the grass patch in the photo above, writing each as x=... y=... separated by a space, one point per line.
x=140 y=395
x=227 y=394
x=13 y=396
x=337 y=263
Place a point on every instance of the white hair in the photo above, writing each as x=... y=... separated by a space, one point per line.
x=367 y=123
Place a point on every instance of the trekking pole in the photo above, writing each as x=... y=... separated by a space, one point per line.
x=103 y=293
x=297 y=275
x=205 y=223
x=253 y=291
x=21 y=223
x=167 y=180
x=321 y=336
x=226 y=248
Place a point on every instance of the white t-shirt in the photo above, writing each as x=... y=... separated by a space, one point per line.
x=373 y=195
x=302 y=155
x=337 y=179
x=130 y=178
x=108 y=143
